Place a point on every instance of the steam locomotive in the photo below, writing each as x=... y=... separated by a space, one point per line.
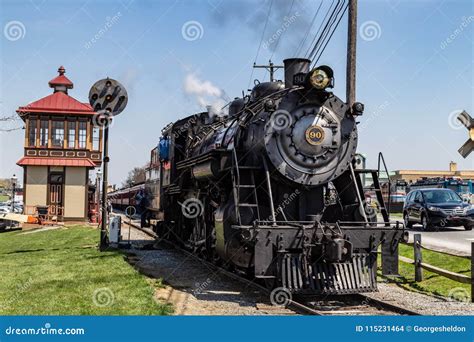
x=270 y=190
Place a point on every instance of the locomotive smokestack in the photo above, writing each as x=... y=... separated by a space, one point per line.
x=294 y=66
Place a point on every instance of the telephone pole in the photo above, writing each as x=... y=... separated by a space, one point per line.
x=270 y=68
x=351 y=53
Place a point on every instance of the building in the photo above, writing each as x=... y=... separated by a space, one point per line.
x=414 y=175
x=61 y=146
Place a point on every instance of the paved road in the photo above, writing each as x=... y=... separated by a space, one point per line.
x=455 y=240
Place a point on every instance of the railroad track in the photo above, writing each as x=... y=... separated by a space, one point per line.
x=357 y=304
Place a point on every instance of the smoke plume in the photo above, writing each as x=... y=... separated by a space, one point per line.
x=206 y=94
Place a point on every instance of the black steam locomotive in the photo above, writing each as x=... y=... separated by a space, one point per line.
x=270 y=190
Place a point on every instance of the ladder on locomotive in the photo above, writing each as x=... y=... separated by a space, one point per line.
x=383 y=207
x=238 y=173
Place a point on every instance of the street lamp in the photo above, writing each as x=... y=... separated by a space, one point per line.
x=13 y=181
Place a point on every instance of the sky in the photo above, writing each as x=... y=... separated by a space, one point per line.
x=414 y=67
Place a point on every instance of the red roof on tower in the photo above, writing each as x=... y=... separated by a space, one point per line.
x=61 y=79
x=59 y=102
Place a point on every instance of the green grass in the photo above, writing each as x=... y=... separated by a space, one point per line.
x=61 y=272
x=4 y=198
x=433 y=283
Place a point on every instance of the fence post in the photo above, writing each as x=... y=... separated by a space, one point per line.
x=472 y=272
x=417 y=257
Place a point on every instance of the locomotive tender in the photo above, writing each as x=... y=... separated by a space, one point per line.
x=270 y=189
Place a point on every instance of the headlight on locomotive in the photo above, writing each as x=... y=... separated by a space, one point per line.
x=321 y=77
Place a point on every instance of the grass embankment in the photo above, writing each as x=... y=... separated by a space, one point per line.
x=61 y=272
x=433 y=283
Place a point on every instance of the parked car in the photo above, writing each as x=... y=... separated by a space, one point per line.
x=4 y=210
x=435 y=207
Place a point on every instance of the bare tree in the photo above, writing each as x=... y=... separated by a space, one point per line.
x=135 y=176
x=6 y=123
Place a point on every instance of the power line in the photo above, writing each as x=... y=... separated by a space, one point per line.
x=303 y=41
x=278 y=39
x=317 y=35
x=327 y=28
x=261 y=39
x=334 y=30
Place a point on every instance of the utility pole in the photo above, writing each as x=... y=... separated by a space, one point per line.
x=270 y=68
x=351 y=53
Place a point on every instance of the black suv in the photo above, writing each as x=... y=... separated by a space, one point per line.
x=437 y=207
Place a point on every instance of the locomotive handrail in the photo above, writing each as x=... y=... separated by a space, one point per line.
x=381 y=158
x=359 y=196
x=260 y=102
x=236 y=180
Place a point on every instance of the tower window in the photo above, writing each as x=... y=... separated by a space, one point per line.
x=32 y=132
x=71 y=134
x=82 y=134
x=44 y=131
x=57 y=133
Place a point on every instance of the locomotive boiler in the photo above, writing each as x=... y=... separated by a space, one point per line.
x=270 y=190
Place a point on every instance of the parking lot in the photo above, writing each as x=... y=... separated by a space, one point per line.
x=454 y=240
